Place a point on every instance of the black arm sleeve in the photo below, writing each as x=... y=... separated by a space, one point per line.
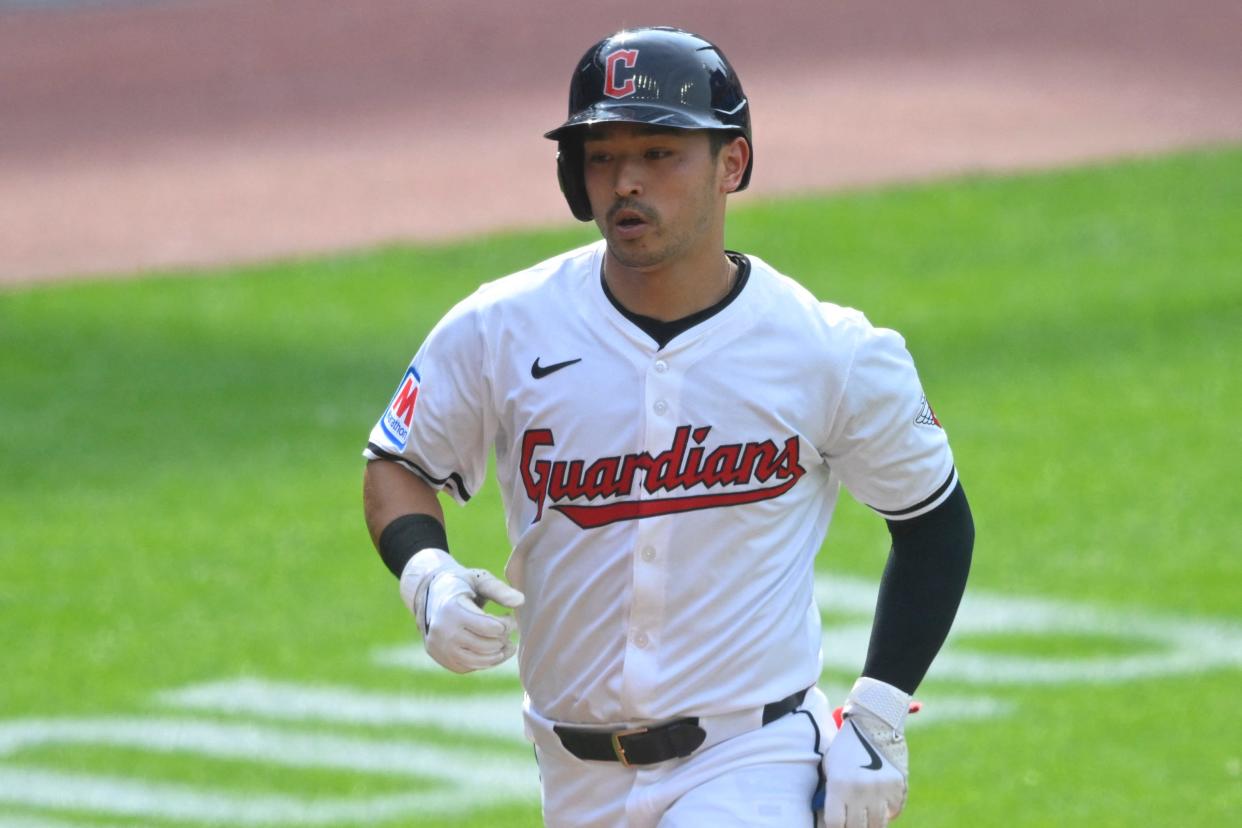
x=919 y=594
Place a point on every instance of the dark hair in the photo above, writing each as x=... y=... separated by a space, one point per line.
x=719 y=137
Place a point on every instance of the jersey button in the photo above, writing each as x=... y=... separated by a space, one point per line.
x=641 y=641
x=661 y=366
x=660 y=407
x=648 y=553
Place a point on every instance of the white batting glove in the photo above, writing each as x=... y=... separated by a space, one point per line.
x=867 y=763
x=447 y=600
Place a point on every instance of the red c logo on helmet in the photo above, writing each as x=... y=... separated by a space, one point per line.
x=626 y=57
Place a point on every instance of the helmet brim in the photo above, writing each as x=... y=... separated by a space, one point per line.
x=648 y=114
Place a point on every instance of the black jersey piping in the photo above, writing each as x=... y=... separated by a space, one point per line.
x=926 y=501
x=665 y=332
x=453 y=477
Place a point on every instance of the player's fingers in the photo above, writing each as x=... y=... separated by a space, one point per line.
x=833 y=815
x=459 y=661
x=471 y=638
x=492 y=657
x=489 y=586
x=488 y=645
x=487 y=654
x=507 y=627
x=462 y=652
x=510 y=624
x=483 y=645
x=487 y=626
x=483 y=624
x=480 y=661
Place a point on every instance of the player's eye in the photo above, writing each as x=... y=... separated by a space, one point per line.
x=655 y=154
x=598 y=157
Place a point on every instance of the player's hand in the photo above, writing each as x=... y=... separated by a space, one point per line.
x=447 y=600
x=867 y=763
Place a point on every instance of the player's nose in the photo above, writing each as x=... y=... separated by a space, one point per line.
x=629 y=179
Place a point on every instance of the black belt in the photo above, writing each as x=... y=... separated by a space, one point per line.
x=648 y=745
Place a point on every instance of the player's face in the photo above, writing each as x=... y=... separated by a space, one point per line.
x=656 y=194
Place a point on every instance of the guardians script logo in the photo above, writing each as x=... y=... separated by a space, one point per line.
x=687 y=464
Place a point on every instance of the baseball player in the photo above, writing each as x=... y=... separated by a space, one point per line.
x=672 y=423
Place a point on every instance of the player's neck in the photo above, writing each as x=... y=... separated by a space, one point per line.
x=672 y=291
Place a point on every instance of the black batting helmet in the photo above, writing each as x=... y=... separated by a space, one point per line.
x=660 y=76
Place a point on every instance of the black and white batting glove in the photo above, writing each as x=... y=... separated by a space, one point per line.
x=867 y=763
x=447 y=599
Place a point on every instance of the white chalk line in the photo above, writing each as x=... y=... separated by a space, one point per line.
x=455 y=770
x=1171 y=645
x=494 y=715
x=121 y=797
x=414 y=658
x=20 y=821
x=1176 y=645
x=266 y=744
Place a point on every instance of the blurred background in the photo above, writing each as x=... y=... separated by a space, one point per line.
x=154 y=133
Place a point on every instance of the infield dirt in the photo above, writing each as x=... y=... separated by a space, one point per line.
x=174 y=134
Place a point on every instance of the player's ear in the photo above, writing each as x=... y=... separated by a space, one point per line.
x=732 y=162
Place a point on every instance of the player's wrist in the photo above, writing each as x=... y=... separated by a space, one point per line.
x=889 y=704
x=406 y=536
x=417 y=578
x=878 y=711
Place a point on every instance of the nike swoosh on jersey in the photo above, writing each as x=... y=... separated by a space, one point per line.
x=876 y=761
x=540 y=371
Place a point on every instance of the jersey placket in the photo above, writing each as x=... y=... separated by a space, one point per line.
x=651 y=557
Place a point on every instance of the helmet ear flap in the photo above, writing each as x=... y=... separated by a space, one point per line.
x=569 y=173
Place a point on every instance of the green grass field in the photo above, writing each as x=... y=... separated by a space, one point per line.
x=180 y=514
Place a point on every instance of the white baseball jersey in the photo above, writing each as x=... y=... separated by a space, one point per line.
x=665 y=505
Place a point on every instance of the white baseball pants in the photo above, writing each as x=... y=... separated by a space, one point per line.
x=763 y=777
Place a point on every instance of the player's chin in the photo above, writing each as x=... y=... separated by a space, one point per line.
x=634 y=255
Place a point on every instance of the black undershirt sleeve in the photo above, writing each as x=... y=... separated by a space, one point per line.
x=919 y=594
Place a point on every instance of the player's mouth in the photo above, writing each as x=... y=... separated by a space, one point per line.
x=629 y=223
